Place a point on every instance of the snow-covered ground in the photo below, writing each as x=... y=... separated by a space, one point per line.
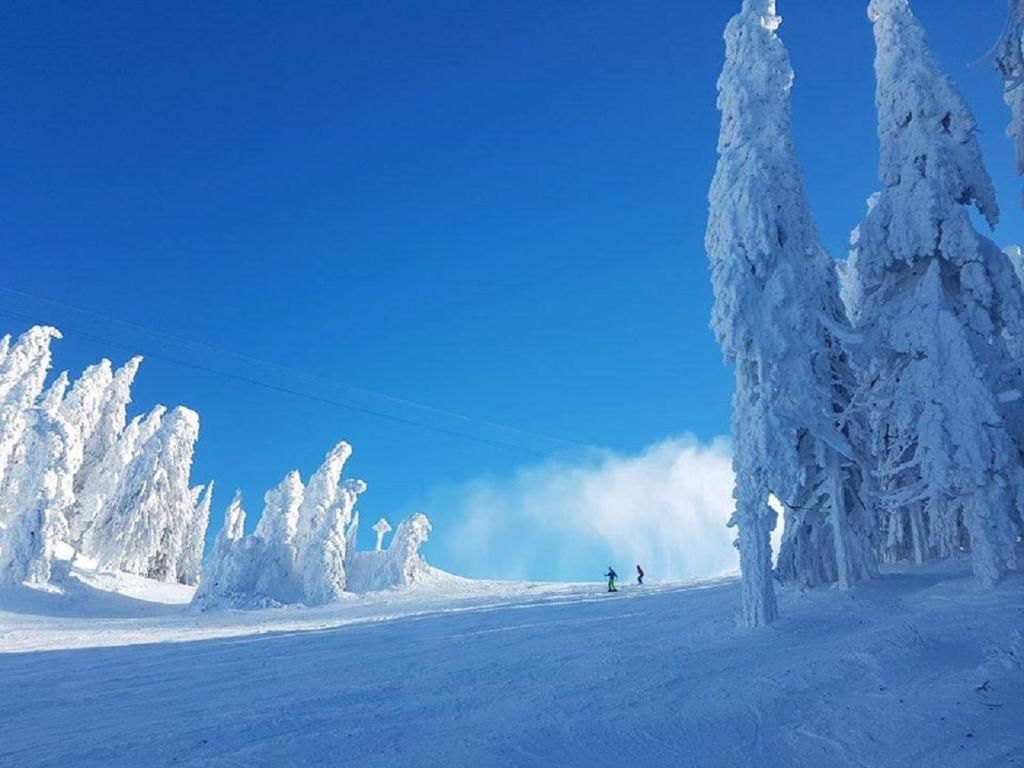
x=918 y=668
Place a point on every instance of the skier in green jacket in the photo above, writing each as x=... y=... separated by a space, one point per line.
x=612 y=576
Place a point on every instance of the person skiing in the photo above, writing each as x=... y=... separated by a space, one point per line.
x=639 y=574
x=612 y=576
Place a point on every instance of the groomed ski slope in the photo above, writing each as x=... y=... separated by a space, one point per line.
x=503 y=674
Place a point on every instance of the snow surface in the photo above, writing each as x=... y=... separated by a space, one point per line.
x=463 y=673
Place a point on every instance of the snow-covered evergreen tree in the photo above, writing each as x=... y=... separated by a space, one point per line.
x=301 y=549
x=73 y=477
x=228 y=573
x=404 y=564
x=81 y=411
x=917 y=256
x=780 y=322
x=38 y=495
x=352 y=535
x=92 y=510
x=1010 y=65
x=142 y=528
x=190 y=561
x=324 y=515
x=104 y=402
x=23 y=373
x=400 y=565
x=276 y=556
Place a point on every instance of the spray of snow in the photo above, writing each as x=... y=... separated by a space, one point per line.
x=665 y=508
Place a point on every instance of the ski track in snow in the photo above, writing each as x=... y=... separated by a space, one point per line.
x=510 y=674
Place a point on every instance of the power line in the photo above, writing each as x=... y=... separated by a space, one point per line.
x=305 y=395
x=160 y=335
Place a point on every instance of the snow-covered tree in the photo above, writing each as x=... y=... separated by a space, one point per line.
x=300 y=550
x=276 y=555
x=91 y=510
x=227 y=574
x=324 y=516
x=352 y=535
x=190 y=561
x=142 y=528
x=73 y=477
x=779 y=321
x=936 y=304
x=23 y=373
x=40 y=493
x=1010 y=65
x=104 y=413
x=400 y=565
x=326 y=553
x=382 y=528
x=81 y=410
x=404 y=564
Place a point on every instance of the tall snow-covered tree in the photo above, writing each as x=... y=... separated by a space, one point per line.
x=82 y=410
x=142 y=528
x=107 y=422
x=917 y=249
x=276 y=555
x=38 y=493
x=23 y=373
x=779 y=321
x=190 y=559
x=1010 y=65
x=93 y=516
x=324 y=516
x=404 y=564
x=227 y=573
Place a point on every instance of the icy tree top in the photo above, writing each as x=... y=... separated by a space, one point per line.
x=927 y=133
x=931 y=170
x=1010 y=65
x=24 y=367
x=762 y=240
x=234 y=519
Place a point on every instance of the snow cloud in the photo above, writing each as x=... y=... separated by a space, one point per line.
x=665 y=508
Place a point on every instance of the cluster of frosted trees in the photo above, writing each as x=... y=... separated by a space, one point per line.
x=878 y=399
x=303 y=549
x=80 y=481
x=76 y=478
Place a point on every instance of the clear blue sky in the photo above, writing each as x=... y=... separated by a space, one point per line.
x=493 y=208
